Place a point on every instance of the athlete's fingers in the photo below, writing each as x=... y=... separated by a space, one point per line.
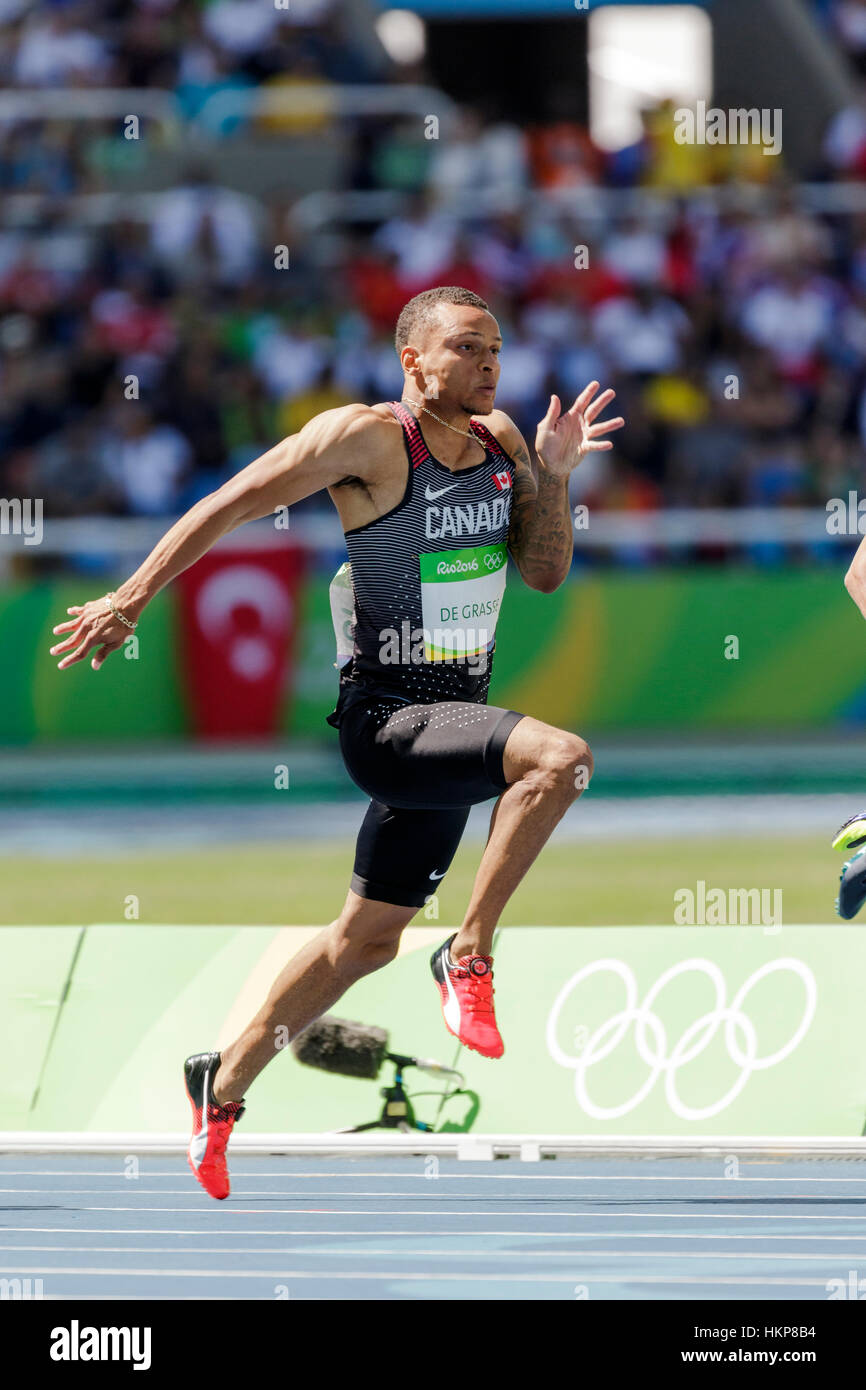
x=78 y=655
x=100 y=656
x=584 y=398
x=598 y=405
x=70 y=660
x=66 y=645
x=553 y=412
x=595 y=444
x=67 y=627
x=604 y=425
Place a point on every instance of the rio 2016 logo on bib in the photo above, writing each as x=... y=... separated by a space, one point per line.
x=461 y=593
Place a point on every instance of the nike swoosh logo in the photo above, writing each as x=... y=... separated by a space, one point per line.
x=435 y=875
x=431 y=496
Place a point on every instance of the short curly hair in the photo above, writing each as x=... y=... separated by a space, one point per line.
x=421 y=309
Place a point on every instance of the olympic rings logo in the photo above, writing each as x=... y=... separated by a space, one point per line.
x=651 y=1040
x=493 y=562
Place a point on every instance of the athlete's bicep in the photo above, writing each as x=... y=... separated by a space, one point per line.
x=318 y=456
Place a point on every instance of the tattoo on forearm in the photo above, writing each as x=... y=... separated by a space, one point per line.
x=540 y=536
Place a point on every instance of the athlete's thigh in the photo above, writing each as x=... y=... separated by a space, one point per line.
x=401 y=855
x=447 y=754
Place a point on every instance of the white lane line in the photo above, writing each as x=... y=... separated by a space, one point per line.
x=484 y=1253
x=131 y=1184
x=461 y=1277
x=411 y=1235
x=458 y=1211
x=289 y=1176
x=595 y=1214
x=495 y=1199
x=843 y=1218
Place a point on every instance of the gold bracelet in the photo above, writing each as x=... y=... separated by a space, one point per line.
x=119 y=616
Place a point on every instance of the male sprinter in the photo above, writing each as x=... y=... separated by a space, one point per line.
x=851 y=835
x=428 y=515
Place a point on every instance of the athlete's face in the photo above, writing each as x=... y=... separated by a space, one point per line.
x=458 y=358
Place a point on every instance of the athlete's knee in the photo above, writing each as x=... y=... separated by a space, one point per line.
x=355 y=953
x=368 y=956
x=565 y=761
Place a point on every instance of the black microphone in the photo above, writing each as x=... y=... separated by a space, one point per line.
x=338 y=1045
x=355 y=1049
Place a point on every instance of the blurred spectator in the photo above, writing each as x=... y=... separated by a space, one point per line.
x=54 y=52
x=240 y=27
x=848 y=19
x=502 y=256
x=248 y=417
x=71 y=478
x=791 y=315
x=290 y=361
x=190 y=403
x=563 y=156
x=144 y=460
x=299 y=76
x=777 y=474
x=487 y=162
x=199 y=229
x=643 y=334
x=324 y=394
x=422 y=243
x=146 y=51
x=636 y=253
x=844 y=142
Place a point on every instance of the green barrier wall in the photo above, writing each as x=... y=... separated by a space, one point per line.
x=642 y=650
x=653 y=1030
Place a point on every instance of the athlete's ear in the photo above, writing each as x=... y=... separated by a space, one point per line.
x=409 y=359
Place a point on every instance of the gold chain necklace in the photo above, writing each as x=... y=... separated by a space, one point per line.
x=469 y=434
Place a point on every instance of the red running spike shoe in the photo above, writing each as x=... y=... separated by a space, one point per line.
x=212 y=1124
x=467 y=992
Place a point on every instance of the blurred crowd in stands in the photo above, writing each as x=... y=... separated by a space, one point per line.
x=144 y=359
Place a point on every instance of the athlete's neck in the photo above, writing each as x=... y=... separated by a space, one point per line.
x=440 y=415
x=444 y=437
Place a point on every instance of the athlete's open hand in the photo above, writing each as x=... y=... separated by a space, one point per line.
x=92 y=627
x=563 y=440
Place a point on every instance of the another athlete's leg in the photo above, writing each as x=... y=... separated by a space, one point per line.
x=547 y=769
x=364 y=937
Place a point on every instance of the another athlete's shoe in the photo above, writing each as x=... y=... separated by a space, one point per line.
x=852 y=887
x=212 y=1124
x=852 y=834
x=467 y=1000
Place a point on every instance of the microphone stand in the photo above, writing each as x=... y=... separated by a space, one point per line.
x=397 y=1112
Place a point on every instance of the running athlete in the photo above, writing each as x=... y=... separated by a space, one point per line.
x=431 y=501
x=852 y=835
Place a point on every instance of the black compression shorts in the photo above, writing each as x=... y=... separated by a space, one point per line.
x=424 y=767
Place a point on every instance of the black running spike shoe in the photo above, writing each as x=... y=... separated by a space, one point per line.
x=852 y=887
x=851 y=835
x=212 y=1124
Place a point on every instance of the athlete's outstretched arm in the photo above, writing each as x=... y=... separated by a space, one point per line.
x=334 y=444
x=855 y=579
x=540 y=537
